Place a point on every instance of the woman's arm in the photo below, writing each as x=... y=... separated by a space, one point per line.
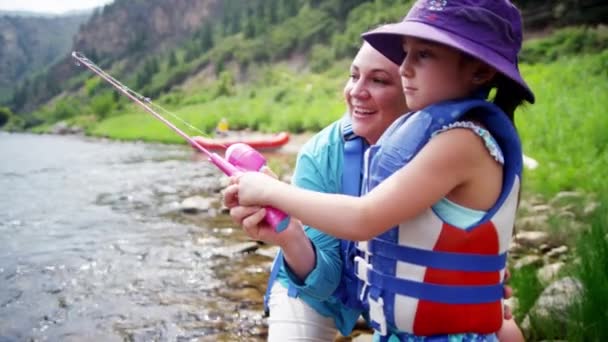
x=298 y=251
x=311 y=258
x=445 y=163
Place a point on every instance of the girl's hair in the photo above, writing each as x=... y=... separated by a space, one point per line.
x=509 y=95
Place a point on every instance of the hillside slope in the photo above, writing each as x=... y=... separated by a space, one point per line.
x=30 y=44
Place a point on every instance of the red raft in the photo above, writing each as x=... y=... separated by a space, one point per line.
x=257 y=141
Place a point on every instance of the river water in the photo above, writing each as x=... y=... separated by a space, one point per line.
x=94 y=247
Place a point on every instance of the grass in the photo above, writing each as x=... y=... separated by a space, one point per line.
x=589 y=315
x=565 y=130
x=527 y=288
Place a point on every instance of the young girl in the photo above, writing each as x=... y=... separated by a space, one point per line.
x=441 y=184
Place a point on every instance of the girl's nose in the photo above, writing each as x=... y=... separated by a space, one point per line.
x=405 y=69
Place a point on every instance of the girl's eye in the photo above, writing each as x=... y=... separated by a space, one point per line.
x=354 y=77
x=424 y=54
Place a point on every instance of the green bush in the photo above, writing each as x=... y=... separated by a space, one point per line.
x=91 y=85
x=64 y=108
x=102 y=105
x=15 y=124
x=321 y=58
x=565 y=42
x=5 y=115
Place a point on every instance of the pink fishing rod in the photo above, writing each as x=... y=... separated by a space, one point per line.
x=242 y=156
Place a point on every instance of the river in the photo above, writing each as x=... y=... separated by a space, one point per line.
x=94 y=246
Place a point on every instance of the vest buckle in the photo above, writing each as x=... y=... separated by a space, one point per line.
x=376 y=314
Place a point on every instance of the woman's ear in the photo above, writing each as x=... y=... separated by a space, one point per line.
x=483 y=74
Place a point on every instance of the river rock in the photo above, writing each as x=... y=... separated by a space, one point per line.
x=566 y=197
x=528 y=260
x=269 y=251
x=245 y=247
x=533 y=222
x=553 y=303
x=532 y=239
x=548 y=272
x=557 y=252
x=590 y=208
x=62 y=128
x=195 y=205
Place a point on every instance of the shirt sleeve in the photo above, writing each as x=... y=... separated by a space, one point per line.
x=322 y=281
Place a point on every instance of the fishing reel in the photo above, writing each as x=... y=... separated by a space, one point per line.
x=246 y=158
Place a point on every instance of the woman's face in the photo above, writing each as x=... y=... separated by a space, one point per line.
x=373 y=94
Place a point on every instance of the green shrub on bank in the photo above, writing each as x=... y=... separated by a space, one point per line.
x=568 y=41
x=5 y=115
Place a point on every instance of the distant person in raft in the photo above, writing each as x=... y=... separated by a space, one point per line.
x=221 y=130
x=440 y=186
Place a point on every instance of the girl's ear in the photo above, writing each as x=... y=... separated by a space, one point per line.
x=483 y=74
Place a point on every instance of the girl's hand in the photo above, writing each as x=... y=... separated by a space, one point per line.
x=255 y=188
x=251 y=218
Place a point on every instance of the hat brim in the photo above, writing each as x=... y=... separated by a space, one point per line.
x=388 y=41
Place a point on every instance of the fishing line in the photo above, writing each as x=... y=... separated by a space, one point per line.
x=139 y=98
x=243 y=156
x=143 y=101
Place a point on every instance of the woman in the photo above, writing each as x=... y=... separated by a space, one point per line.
x=374 y=100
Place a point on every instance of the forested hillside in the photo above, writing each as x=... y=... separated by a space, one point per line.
x=157 y=46
x=29 y=44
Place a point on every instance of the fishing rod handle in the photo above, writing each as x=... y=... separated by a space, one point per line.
x=246 y=158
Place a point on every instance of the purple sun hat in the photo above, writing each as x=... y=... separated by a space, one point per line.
x=489 y=30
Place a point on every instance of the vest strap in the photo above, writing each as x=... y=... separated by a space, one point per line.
x=439 y=259
x=354 y=146
x=448 y=294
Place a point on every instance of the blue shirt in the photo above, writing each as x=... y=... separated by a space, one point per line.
x=319 y=168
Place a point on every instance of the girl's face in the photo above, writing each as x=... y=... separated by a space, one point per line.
x=373 y=94
x=433 y=72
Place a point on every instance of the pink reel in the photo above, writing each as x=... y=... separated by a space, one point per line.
x=246 y=158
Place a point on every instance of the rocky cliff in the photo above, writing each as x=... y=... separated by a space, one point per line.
x=29 y=44
x=125 y=31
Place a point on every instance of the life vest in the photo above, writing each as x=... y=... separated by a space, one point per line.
x=426 y=277
x=346 y=292
x=354 y=149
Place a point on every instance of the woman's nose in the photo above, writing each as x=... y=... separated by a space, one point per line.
x=359 y=90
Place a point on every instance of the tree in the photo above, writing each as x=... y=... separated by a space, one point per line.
x=249 y=29
x=272 y=12
x=206 y=37
x=5 y=115
x=235 y=26
x=172 y=60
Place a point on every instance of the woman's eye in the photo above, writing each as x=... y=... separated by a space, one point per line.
x=354 y=77
x=380 y=80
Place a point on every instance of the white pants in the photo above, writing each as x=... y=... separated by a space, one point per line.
x=291 y=319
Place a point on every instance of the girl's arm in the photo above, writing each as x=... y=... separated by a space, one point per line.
x=445 y=163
